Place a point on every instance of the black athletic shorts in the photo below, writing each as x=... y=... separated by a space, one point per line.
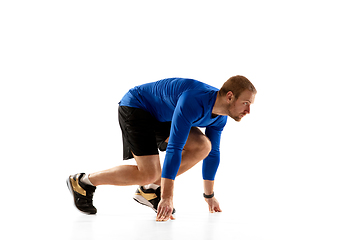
x=142 y=134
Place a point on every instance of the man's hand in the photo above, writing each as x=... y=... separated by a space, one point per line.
x=165 y=207
x=164 y=210
x=214 y=205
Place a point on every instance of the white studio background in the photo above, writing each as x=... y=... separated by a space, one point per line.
x=291 y=165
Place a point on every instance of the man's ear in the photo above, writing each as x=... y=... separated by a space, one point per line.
x=229 y=96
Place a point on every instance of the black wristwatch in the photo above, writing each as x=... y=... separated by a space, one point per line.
x=209 y=196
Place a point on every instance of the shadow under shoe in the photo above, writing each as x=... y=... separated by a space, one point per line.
x=82 y=193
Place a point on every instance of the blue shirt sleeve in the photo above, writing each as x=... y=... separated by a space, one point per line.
x=212 y=161
x=186 y=112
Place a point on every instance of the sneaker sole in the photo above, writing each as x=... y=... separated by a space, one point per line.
x=140 y=199
x=73 y=195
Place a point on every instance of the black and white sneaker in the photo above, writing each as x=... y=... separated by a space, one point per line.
x=82 y=193
x=148 y=197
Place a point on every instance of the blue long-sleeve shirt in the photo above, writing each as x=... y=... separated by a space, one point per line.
x=186 y=103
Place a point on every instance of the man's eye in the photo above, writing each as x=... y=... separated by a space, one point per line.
x=246 y=103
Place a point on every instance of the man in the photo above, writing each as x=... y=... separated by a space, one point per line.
x=166 y=115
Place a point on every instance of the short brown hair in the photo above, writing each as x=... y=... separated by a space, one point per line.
x=237 y=84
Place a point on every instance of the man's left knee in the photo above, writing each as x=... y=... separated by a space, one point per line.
x=202 y=145
x=206 y=145
x=198 y=143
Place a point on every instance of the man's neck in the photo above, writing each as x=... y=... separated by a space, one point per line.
x=218 y=108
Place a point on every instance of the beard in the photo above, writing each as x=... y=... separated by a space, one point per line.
x=235 y=114
x=237 y=117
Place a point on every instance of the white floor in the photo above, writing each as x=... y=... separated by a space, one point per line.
x=120 y=217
